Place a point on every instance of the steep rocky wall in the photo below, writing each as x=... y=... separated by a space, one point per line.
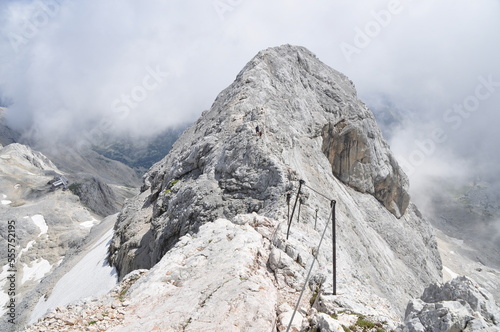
x=359 y=159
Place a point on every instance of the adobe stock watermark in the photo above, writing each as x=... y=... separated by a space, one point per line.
x=121 y=107
x=223 y=7
x=44 y=11
x=12 y=272
x=453 y=116
x=364 y=36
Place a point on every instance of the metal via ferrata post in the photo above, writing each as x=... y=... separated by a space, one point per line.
x=301 y=182
x=334 y=248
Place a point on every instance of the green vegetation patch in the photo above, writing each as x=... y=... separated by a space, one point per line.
x=170 y=186
x=75 y=188
x=314 y=296
x=365 y=325
x=123 y=292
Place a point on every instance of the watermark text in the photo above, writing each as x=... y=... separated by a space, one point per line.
x=12 y=272
x=363 y=36
x=223 y=7
x=453 y=116
x=41 y=16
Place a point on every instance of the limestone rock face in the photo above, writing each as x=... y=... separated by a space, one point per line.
x=458 y=305
x=359 y=158
x=216 y=280
x=221 y=168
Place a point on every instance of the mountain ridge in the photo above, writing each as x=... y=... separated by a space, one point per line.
x=211 y=222
x=220 y=168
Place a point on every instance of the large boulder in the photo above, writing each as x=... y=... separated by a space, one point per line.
x=458 y=305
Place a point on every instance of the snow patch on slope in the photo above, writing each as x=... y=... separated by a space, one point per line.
x=448 y=274
x=39 y=220
x=28 y=247
x=91 y=276
x=89 y=223
x=4 y=297
x=36 y=271
x=4 y=200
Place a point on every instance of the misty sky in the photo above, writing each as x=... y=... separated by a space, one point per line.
x=139 y=66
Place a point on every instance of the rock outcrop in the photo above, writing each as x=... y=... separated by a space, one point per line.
x=24 y=157
x=96 y=194
x=458 y=305
x=357 y=153
x=313 y=128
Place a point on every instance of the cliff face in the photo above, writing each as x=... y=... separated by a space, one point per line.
x=359 y=158
x=315 y=129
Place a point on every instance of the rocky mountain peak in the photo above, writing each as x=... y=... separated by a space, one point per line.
x=294 y=89
x=287 y=117
x=212 y=225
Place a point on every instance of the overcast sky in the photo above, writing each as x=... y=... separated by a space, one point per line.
x=135 y=66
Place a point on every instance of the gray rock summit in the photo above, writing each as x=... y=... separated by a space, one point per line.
x=313 y=128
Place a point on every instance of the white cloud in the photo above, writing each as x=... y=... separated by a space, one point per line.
x=84 y=59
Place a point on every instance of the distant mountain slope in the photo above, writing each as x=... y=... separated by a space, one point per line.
x=469 y=212
x=139 y=153
x=47 y=222
x=7 y=135
x=101 y=183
